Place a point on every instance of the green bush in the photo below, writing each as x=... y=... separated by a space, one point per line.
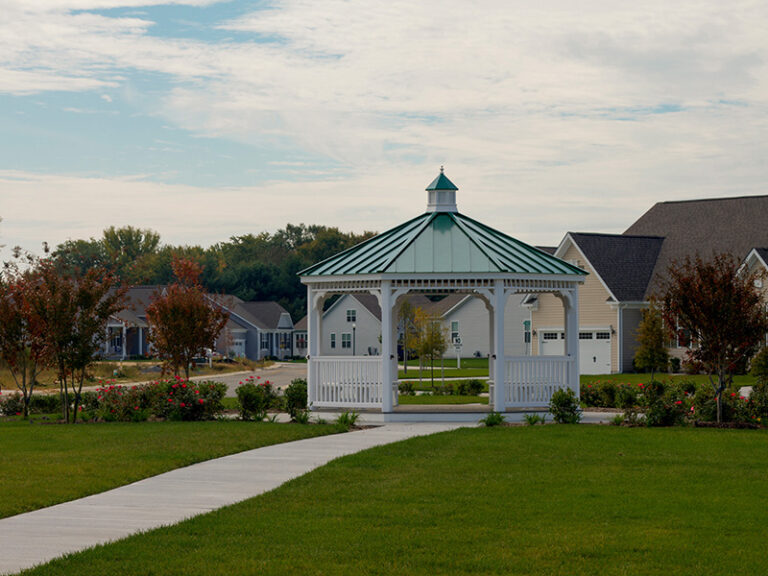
x=759 y=369
x=590 y=395
x=564 y=407
x=406 y=388
x=674 y=364
x=626 y=396
x=295 y=398
x=533 y=419
x=759 y=402
x=472 y=387
x=44 y=404
x=255 y=399
x=493 y=419
x=607 y=391
x=347 y=419
x=664 y=406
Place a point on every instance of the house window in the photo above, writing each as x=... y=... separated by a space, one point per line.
x=346 y=340
x=301 y=340
x=527 y=331
x=603 y=335
x=264 y=340
x=333 y=339
x=351 y=315
x=454 y=330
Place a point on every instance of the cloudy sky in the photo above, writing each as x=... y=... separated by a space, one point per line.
x=204 y=119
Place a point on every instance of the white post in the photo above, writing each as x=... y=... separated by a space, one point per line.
x=141 y=341
x=499 y=368
x=571 y=305
x=314 y=315
x=124 y=333
x=106 y=341
x=386 y=346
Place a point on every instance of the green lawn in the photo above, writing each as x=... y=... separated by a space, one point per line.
x=41 y=464
x=422 y=399
x=470 y=368
x=702 y=379
x=576 y=500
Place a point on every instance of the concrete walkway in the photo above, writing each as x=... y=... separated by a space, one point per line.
x=37 y=537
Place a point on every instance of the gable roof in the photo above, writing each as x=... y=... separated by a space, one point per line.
x=264 y=315
x=704 y=227
x=624 y=263
x=441 y=242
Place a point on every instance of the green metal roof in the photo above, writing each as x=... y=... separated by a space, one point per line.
x=441 y=183
x=441 y=242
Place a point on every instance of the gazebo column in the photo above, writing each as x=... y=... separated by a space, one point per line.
x=124 y=335
x=571 y=311
x=386 y=346
x=315 y=301
x=499 y=368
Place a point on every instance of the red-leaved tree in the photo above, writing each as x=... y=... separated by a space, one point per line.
x=22 y=343
x=719 y=305
x=183 y=320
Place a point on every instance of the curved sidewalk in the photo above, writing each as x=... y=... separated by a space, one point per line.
x=37 y=537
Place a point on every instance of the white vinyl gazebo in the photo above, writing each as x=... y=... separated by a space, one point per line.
x=440 y=252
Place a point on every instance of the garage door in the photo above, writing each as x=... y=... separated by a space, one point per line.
x=594 y=349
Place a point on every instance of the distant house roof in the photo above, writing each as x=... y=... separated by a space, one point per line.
x=625 y=263
x=548 y=249
x=301 y=325
x=265 y=315
x=704 y=227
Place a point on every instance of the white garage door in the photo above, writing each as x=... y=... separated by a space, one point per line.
x=594 y=349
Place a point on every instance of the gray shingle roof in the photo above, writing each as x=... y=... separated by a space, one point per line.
x=265 y=315
x=625 y=263
x=704 y=227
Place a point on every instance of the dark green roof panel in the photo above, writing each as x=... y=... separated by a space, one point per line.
x=441 y=183
x=441 y=242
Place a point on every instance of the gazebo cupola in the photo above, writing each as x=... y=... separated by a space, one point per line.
x=441 y=194
x=440 y=252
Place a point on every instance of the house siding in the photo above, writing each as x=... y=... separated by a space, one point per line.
x=594 y=310
x=366 y=335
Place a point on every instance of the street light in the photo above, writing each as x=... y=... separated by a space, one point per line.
x=354 y=326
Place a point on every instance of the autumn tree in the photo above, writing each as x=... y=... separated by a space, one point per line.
x=22 y=345
x=719 y=305
x=183 y=320
x=651 y=353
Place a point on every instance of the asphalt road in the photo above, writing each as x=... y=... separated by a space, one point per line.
x=279 y=374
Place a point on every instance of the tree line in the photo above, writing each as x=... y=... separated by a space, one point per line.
x=260 y=266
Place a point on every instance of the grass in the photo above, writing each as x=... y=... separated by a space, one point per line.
x=701 y=379
x=577 y=500
x=470 y=368
x=423 y=399
x=41 y=464
x=426 y=385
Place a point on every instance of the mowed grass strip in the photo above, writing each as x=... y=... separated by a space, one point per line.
x=577 y=500
x=425 y=399
x=45 y=464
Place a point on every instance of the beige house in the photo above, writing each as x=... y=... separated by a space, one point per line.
x=625 y=271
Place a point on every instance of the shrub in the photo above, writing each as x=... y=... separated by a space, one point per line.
x=255 y=399
x=664 y=406
x=471 y=387
x=406 y=388
x=12 y=404
x=493 y=419
x=759 y=401
x=759 y=369
x=533 y=419
x=302 y=417
x=44 y=403
x=590 y=395
x=617 y=420
x=626 y=396
x=295 y=398
x=564 y=407
x=607 y=392
x=674 y=364
x=347 y=419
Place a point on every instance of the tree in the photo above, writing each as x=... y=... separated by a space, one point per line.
x=22 y=345
x=720 y=307
x=129 y=251
x=73 y=313
x=406 y=314
x=183 y=320
x=651 y=354
x=431 y=341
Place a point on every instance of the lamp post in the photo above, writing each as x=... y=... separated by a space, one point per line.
x=354 y=326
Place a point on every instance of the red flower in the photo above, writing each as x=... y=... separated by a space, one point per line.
x=201 y=401
x=182 y=404
x=170 y=399
x=733 y=394
x=679 y=402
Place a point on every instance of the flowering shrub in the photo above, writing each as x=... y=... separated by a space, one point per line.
x=11 y=404
x=590 y=396
x=564 y=407
x=255 y=397
x=664 y=406
x=295 y=397
x=169 y=399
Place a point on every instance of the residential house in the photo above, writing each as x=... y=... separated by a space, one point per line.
x=254 y=330
x=626 y=270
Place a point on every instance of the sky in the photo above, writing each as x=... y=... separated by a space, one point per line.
x=206 y=119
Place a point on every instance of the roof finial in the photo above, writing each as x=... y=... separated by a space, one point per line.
x=441 y=169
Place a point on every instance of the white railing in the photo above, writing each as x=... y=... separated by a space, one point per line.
x=345 y=381
x=531 y=380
